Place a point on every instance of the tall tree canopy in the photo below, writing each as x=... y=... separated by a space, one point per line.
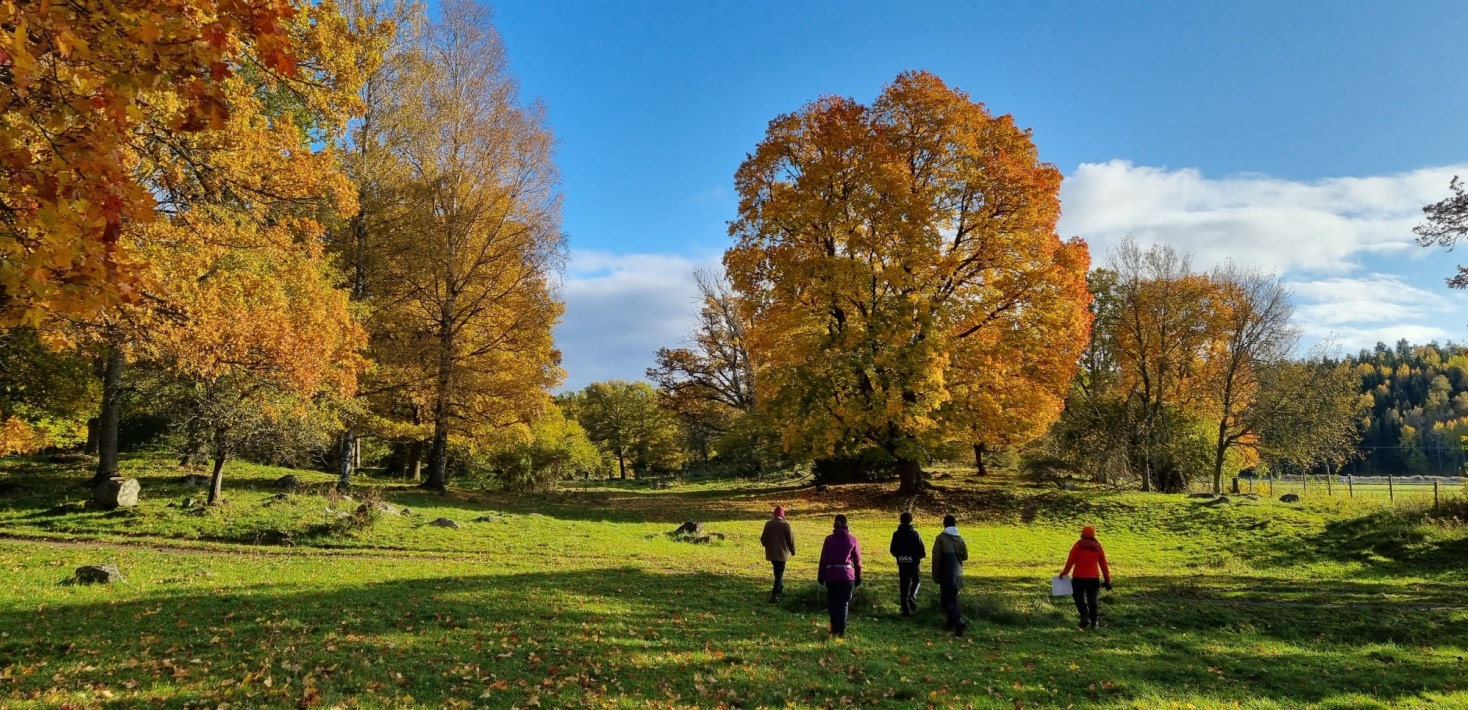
x=459 y=243
x=81 y=85
x=897 y=258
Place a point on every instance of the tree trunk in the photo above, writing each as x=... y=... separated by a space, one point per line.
x=622 y=464
x=415 y=460
x=1219 y=452
x=110 y=416
x=93 y=425
x=910 y=473
x=979 y=450
x=216 y=481
x=438 y=461
x=344 y=467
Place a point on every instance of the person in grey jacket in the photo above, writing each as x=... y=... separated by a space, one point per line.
x=779 y=544
x=949 y=554
x=908 y=548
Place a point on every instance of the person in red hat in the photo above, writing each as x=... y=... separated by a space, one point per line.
x=779 y=544
x=1088 y=559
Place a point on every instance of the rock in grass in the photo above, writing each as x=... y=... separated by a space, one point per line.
x=287 y=482
x=116 y=493
x=194 y=479
x=380 y=506
x=1289 y=498
x=407 y=511
x=1221 y=500
x=98 y=574
x=485 y=519
x=1200 y=495
x=688 y=529
x=274 y=537
x=445 y=523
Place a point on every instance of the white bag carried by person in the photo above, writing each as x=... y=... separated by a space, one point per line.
x=1060 y=586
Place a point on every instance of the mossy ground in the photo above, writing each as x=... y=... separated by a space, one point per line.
x=579 y=599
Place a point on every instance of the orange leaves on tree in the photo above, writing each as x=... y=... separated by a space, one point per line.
x=902 y=274
x=81 y=85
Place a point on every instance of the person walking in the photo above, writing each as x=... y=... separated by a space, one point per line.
x=779 y=544
x=908 y=548
x=949 y=554
x=840 y=572
x=1088 y=559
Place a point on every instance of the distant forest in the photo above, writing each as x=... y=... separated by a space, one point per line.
x=1416 y=420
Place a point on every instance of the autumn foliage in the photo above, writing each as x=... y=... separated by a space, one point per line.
x=903 y=279
x=78 y=79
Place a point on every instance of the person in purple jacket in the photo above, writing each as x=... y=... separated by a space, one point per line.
x=840 y=572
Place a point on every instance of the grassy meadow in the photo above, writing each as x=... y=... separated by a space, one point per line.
x=580 y=599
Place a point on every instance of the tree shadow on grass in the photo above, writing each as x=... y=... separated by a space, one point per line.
x=1386 y=543
x=583 y=636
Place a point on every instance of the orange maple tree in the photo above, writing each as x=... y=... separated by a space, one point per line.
x=901 y=273
x=77 y=78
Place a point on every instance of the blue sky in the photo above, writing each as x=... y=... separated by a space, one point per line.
x=1302 y=137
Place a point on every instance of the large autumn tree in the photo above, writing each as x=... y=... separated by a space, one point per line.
x=78 y=79
x=456 y=251
x=245 y=196
x=893 y=258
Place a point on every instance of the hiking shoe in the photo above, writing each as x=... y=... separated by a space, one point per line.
x=962 y=627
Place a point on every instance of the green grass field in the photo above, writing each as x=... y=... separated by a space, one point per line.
x=579 y=599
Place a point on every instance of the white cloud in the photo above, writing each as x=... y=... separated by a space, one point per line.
x=1359 y=312
x=620 y=308
x=1282 y=225
x=1332 y=240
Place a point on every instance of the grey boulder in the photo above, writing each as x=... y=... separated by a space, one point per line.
x=98 y=574
x=116 y=493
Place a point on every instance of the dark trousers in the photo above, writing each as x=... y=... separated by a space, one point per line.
x=779 y=566
x=1085 y=592
x=948 y=602
x=909 y=578
x=838 y=600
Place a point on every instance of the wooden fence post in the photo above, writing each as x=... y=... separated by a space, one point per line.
x=1391 y=492
x=1351 y=487
x=1436 y=499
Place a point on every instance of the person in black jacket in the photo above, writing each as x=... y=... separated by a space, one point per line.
x=908 y=548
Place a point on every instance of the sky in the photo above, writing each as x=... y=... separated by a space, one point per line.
x=1300 y=137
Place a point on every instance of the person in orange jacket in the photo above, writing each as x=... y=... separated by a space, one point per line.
x=1088 y=559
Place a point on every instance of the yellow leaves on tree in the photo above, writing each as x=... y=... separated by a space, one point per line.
x=902 y=274
x=19 y=437
x=77 y=79
x=462 y=239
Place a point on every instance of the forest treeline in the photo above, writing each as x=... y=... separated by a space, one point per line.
x=326 y=233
